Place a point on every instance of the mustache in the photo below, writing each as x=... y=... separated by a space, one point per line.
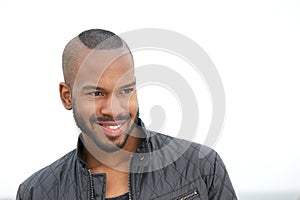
x=106 y=118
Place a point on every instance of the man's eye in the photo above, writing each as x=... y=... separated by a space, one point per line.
x=96 y=94
x=127 y=91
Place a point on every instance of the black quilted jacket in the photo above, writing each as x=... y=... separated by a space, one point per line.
x=163 y=168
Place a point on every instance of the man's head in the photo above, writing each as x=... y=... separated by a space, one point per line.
x=100 y=87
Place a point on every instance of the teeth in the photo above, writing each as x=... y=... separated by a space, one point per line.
x=114 y=127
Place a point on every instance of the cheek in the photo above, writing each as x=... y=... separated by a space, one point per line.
x=85 y=108
x=133 y=104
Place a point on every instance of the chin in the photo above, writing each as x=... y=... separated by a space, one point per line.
x=111 y=144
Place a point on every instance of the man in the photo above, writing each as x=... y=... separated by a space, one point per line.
x=116 y=157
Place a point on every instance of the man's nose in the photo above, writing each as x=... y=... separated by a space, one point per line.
x=112 y=106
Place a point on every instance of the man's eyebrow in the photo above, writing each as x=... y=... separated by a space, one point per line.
x=128 y=85
x=90 y=87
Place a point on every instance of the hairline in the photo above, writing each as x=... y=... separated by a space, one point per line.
x=74 y=54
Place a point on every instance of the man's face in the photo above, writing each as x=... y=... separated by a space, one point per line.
x=104 y=98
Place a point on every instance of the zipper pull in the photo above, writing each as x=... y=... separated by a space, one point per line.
x=189 y=195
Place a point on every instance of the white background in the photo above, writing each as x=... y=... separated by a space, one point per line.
x=255 y=46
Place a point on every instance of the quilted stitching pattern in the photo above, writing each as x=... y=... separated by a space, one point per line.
x=197 y=169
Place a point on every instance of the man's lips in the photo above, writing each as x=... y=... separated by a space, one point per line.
x=112 y=128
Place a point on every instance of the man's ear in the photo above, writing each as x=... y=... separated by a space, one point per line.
x=65 y=95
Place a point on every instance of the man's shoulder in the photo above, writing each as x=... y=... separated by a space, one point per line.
x=194 y=160
x=159 y=141
x=184 y=152
x=49 y=174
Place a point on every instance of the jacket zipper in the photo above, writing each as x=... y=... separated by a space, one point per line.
x=129 y=182
x=190 y=195
x=92 y=196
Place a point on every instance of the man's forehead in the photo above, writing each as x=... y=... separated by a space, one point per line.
x=101 y=59
x=105 y=64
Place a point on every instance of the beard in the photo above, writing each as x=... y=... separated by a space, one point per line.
x=88 y=129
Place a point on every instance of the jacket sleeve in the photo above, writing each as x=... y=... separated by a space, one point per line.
x=23 y=194
x=218 y=182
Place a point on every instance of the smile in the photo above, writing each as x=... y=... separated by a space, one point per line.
x=113 y=127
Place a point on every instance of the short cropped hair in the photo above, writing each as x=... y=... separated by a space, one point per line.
x=98 y=39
